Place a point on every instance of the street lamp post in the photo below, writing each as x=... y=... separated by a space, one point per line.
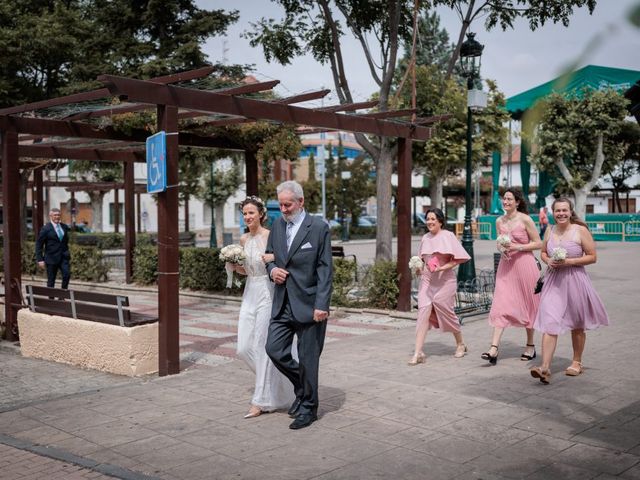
x=213 y=240
x=470 y=60
x=345 y=175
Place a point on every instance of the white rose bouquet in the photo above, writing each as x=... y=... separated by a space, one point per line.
x=232 y=254
x=503 y=240
x=415 y=263
x=558 y=254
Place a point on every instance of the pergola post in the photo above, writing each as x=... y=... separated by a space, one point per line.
x=168 y=268
x=251 y=172
x=116 y=210
x=11 y=230
x=38 y=204
x=129 y=221
x=404 y=223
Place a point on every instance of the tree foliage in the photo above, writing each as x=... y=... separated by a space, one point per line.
x=51 y=47
x=580 y=135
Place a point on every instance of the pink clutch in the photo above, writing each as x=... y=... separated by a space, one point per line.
x=433 y=263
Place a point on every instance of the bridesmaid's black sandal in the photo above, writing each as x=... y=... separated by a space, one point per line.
x=526 y=357
x=492 y=359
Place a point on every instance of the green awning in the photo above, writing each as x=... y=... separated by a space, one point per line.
x=591 y=76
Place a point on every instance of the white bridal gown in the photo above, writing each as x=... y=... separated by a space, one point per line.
x=273 y=390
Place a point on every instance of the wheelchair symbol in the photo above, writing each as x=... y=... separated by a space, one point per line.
x=154 y=175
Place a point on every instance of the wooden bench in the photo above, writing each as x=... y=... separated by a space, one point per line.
x=77 y=304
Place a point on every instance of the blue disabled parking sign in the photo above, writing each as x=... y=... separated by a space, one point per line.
x=156 y=163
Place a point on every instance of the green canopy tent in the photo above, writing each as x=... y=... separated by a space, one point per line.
x=591 y=76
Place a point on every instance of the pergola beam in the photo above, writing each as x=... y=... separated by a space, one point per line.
x=103 y=92
x=146 y=92
x=349 y=107
x=390 y=113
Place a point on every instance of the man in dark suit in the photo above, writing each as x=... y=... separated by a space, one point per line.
x=54 y=240
x=302 y=271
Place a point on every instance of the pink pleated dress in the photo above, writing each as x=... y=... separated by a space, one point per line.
x=514 y=303
x=568 y=300
x=437 y=292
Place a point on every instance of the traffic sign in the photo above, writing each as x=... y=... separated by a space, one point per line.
x=157 y=162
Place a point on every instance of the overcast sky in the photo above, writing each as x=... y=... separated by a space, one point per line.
x=517 y=59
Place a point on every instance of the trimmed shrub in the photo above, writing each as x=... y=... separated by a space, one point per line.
x=202 y=269
x=382 y=285
x=145 y=264
x=344 y=271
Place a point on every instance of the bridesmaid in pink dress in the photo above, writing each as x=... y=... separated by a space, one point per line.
x=514 y=303
x=568 y=300
x=441 y=252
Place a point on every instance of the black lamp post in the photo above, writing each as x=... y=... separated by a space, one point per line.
x=345 y=175
x=213 y=236
x=470 y=60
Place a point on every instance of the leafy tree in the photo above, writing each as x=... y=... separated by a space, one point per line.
x=319 y=27
x=313 y=26
x=580 y=136
x=628 y=166
x=504 y=13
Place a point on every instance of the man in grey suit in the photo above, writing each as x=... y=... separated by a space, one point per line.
x=302 y=271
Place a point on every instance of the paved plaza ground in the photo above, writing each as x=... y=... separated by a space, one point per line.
x=379 y=418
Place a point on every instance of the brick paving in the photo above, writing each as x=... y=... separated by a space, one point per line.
x=449 y=419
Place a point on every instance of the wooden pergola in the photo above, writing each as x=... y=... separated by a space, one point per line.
x=79 y=136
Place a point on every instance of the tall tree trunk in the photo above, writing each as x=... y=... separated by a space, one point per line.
x=435 y=191
x=580 y=195
x=384 y=231
x=219 y=216
x=96 y=199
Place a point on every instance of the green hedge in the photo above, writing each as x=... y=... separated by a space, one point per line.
x=200 y=268
x=382 y=285
x=87 y=263
x=344 y=273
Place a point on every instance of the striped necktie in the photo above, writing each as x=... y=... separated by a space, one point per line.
x=289 y=234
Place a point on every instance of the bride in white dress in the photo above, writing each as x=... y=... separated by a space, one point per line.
x=272 y=389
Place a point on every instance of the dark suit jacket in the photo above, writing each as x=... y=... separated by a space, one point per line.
x=55 y=250
x=310 y=266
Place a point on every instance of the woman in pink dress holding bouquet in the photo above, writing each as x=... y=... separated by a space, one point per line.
x=568 y=300
x=514 y=303
x=440 y=251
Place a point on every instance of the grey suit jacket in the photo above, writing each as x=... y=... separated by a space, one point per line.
x=310 y=266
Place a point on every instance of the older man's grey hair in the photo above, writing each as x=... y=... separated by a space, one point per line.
x=291 y=186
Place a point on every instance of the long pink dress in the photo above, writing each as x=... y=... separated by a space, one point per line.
x=436 y=296
x=514 y=303
x=568 y=300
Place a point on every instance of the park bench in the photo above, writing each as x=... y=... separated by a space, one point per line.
x=83 y=305
x=89 y=330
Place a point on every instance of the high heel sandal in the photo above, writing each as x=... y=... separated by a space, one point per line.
x=525 y=357
x=416 y=359
x=461 y=351
x=253 y=412
x=493 y=359
x=543 y=375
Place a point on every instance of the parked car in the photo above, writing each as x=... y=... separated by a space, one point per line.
x=370 y=218
x=363 y=222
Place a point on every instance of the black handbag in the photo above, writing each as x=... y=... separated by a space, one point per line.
x=539 y=284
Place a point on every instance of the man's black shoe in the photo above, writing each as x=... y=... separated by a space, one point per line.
x=295 y=406
x=303 y=420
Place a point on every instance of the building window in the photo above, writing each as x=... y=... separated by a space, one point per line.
x=589 y=207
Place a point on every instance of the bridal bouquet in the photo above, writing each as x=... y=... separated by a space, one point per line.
x=558 y=254
x=415 y=263
x=231 y=254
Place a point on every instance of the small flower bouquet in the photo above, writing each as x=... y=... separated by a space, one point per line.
x=231 y=254
x=503 y=240
x=558 y=254
x=415 y=263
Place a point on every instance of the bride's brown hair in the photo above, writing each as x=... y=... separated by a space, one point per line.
x=259 y=204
